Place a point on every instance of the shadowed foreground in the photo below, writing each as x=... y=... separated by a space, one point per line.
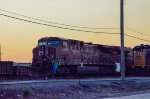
x=70 y=90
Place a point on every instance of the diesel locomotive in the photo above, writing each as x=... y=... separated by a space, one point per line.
x=141 y=60
x=72 y=53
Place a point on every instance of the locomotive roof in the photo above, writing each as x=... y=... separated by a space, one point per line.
x=86 y=43
x=51 y=38
x=55 y=38
x=142 y=46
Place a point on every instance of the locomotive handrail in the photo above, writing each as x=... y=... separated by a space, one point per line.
x=49 y=58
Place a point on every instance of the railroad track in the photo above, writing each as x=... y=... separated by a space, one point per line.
x=71 y=80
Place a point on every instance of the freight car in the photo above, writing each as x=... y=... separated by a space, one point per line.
x=10 y=69
x=22 y=69
x=6 y=68
x=71 y=54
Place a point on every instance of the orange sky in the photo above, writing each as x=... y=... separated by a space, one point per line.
x=18 y=38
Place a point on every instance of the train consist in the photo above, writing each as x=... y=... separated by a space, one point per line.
x=72 y=53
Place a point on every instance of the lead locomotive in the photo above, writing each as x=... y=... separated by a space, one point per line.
x=71 y=53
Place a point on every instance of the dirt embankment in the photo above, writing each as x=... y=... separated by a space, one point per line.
x=70 y=90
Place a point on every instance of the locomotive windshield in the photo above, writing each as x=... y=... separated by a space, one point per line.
x=42 y=43
x=49 y=43
x=54 y=43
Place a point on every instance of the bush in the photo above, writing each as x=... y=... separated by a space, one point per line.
x=26 y=92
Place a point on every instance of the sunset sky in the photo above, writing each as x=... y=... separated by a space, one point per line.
x=18 y=38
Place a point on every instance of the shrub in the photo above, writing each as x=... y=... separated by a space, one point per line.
x=26 y=92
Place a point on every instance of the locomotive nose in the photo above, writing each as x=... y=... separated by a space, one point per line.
x=47 y=53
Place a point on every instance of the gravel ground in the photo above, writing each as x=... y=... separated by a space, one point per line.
x=69 y=90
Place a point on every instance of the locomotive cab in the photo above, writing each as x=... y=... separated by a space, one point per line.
x=47 y=49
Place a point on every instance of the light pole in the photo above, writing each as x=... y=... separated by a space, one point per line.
x=122 y=39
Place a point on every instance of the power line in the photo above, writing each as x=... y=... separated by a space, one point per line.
x=53 y=22
x=136 y=38
x=55 y=25
x=70 y=28
x=137 y=31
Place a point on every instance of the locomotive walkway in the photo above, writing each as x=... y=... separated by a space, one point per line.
x=98 y=80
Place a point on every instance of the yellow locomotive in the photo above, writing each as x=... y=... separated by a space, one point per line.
x=141 y=55
x=141 y=59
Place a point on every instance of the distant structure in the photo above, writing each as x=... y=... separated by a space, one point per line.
x=22 y=64
x=0 y=52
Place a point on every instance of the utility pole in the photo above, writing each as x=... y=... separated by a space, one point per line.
x=122 y=39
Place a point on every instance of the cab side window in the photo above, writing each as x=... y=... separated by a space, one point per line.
x=65 y=44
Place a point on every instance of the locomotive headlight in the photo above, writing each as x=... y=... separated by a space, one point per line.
x=42 y=48
x=41 y=53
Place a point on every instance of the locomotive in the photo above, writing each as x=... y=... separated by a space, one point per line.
x=72 y=53
x=141 y=60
